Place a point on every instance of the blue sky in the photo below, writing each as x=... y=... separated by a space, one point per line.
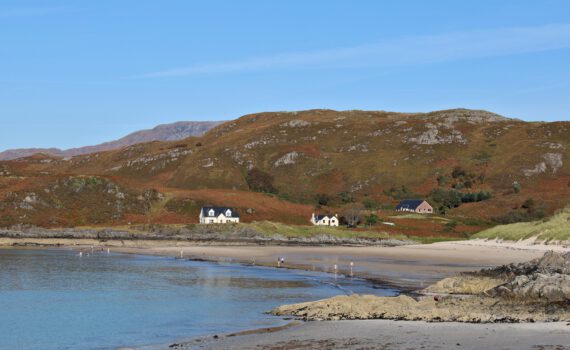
x=75 y=73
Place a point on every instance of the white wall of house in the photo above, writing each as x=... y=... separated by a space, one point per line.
x=224 y=218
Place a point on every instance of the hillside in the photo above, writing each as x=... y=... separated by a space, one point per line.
x=473 y=165
x=555 y=228
x=164 y=132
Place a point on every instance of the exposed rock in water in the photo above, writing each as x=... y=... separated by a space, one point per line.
x=538 y=290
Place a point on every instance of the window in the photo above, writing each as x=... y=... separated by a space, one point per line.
x=211 y=212
x=228 y=213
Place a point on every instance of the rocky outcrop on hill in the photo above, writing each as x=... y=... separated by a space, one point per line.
x=538 y=290
x=73 y=199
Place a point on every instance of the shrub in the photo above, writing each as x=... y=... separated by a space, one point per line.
x=530 y=210
x=346 y=197
x=322 y=199
x=516 y=187
x=260 y=181
x=458 y=172
x=400 y=193
x=370 y=203
x=448 y=199
x=450 y=225
x=371 y=219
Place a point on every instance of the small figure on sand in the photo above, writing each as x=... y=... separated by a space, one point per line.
x=280 y=261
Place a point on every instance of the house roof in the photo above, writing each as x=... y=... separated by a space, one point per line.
x=218 y=211
x=411 y=204
x=320 y=217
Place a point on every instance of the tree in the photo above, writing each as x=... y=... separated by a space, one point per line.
x=322 y=199
x=371 y=219
x=260 y=181
x=346 y=197
x=458 y=172
x=352 y=214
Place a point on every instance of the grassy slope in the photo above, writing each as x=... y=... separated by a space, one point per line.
x=556 y=228
x=273 y=228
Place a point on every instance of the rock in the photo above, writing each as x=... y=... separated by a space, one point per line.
x=551 y=160
x=296 y=123
x=538 y=290
x=554 y=161
x=287 y=159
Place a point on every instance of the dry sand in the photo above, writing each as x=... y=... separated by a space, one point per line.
x=388 y=335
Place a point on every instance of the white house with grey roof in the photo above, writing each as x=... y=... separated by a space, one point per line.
x=324 y=220
x=218 y=215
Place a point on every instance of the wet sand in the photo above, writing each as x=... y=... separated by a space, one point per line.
x=407 y=267
x=385 y=334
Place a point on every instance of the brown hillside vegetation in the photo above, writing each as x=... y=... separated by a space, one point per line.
x=338 y=157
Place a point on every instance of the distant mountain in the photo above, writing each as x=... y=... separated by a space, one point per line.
x=164 y=132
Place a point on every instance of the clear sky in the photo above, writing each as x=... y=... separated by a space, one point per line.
x=75 y=73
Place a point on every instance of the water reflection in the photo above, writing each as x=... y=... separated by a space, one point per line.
x=53 y=299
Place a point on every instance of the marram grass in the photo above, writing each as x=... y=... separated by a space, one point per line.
x=555 y=228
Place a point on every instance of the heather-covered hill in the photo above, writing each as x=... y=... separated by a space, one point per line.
x=468 y=163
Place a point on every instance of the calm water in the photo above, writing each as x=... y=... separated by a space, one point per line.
x=53 y=299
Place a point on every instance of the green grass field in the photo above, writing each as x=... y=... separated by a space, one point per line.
x=555 y=228
x=273 y=228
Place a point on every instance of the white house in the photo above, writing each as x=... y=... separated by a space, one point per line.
x=324 y=220
x=218 y=215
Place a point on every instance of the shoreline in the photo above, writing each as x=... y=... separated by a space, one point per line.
x=408 y=267
x=429 y=260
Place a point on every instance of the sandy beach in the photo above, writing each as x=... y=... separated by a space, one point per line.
x=405 y=267
x=408 y=267
x=386 y=334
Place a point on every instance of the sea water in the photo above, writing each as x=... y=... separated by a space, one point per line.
x=55 y=299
